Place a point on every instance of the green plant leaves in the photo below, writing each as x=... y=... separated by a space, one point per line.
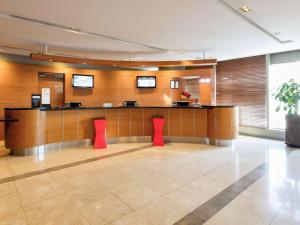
x=288 y=95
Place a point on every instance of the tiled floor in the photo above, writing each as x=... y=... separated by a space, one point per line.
x=155 y=186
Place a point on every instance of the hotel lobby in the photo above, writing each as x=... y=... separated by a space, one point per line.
x=149 y=112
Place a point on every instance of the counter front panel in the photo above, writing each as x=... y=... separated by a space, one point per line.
x=37 y=128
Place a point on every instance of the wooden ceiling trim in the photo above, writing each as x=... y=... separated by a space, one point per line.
x=101 y=62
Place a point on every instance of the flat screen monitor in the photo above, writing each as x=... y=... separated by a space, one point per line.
x=83 y=81
x=146 y=82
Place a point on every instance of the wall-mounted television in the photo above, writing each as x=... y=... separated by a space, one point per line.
x=82 y=81
x=146 y=81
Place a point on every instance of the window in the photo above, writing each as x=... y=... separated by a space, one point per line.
x=279 y=73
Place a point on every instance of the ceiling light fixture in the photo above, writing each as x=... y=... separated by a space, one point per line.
x=50 y=60
x=245 y=9
x=84 y=63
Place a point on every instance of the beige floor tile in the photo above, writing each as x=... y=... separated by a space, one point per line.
x=39 y=193
x=130 y=219
x=13 y=217
x=138 y=195
x=188 y=197
x=263 y=208
x=9 y=202
x=68 y=218
x=289 y=214
x=162 y=212
x=7 y=188
x=49 y=209
x=235 y=216
x=87 y=195
x=105 y=210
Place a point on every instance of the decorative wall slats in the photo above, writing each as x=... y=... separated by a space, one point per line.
x=243 y=82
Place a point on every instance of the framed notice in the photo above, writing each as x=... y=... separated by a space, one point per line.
x=45 y=96
x=174 y=84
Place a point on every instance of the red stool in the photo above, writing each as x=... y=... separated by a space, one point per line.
x=158 y=124
x=100 y=131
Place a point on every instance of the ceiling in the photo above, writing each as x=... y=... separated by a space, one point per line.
x=150 y=30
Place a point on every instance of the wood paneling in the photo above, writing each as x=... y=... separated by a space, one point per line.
x=187 y=122
x=124 y=122
x=55 y=126
x=37 y=127
x=28 y=131
x=85 y=124
x=148 y=126
x=102 y=62
x=56 y=86
x=19 y=81
x=112 y=123
x=223 y=123
x=70 y=121
x=174 y=122
x=243 y=82
x=137 y=121
x=200 y=126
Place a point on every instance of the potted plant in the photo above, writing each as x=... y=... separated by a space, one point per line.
x=185 y=94
x=288 y=95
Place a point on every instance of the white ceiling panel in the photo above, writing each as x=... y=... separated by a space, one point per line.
x=188 y=27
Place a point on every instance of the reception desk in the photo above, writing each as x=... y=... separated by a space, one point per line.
x=37 y=130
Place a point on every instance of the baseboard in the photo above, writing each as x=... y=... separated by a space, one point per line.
x=263 y=133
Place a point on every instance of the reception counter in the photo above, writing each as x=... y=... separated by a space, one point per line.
x=36 y=130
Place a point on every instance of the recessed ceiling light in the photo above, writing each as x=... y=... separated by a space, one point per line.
x=50 y=60
x=245 y=9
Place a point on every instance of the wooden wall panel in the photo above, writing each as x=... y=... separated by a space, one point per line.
x=19 y=81
x=54 y=126
x=148 y=126
x=174 y=122
x=136 y=125
x=112 y=122
x=223 y=123
x=200 y=126
x=56 y=86
x=85 y=124
x=124 y=122
x=187 y=122
x=70 y=121
x=243 y=82
x=28 y=131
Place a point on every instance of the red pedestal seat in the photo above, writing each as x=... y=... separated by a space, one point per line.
x=100 y=133
x=158 y=125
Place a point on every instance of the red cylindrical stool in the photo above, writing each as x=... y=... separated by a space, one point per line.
x=158 y=138
x=100 y=133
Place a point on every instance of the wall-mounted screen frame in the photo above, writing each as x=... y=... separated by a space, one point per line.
x=82 y=81
x=174 y=84
x=146 y=81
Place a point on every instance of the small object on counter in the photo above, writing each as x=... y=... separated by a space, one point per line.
x=75 y=104
x=107 y=105
x=183 y=103
x=130 y=103
x=196 y=105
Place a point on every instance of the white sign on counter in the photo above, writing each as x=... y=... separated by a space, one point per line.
x=45 y=96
